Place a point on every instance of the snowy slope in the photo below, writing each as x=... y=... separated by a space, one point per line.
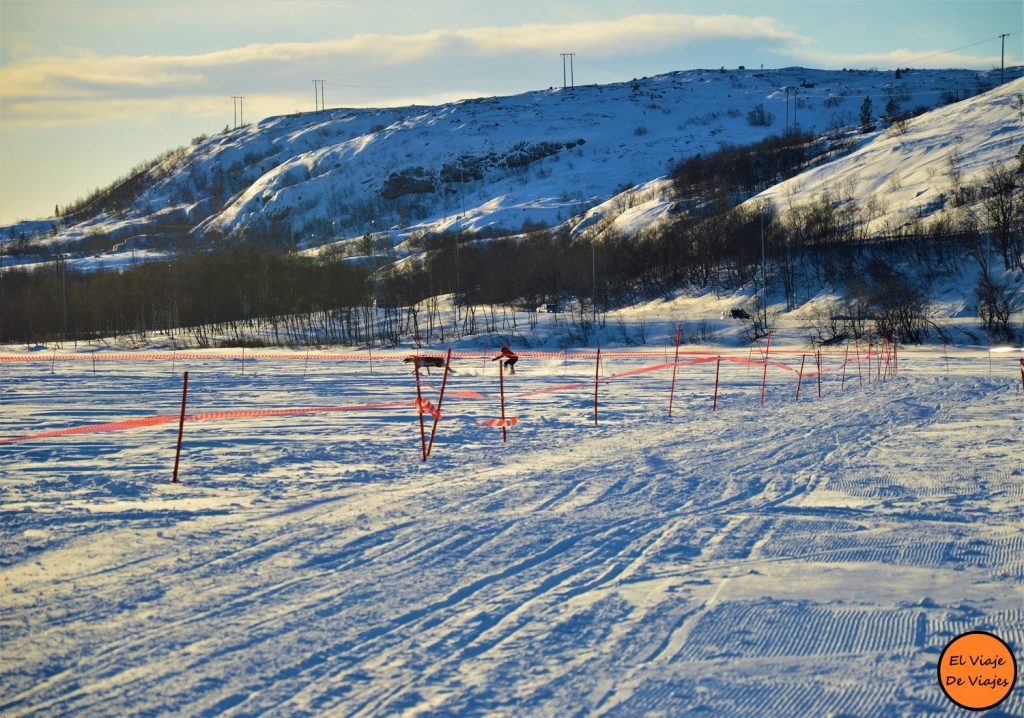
x=908 y=175
x=805 y=558
x=543 y=157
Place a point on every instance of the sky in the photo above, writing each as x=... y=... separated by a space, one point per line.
x=90 y=88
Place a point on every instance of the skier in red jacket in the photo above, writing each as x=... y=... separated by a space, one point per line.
x=510 y=358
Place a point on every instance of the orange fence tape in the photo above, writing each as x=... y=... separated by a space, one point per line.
x=424 y=407
x=192 y=355
x=207 y=416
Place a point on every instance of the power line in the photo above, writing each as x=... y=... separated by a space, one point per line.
x=957 y=49
x=332 y=83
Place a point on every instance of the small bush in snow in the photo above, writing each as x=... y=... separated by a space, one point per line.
x=760 y=117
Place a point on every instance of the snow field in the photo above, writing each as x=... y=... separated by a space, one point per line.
x=796 y=559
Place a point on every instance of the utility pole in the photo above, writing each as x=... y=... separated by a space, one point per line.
x=1002 y=57
x=572 y=78
x=318 y=95
x=241 y=111
x=236 y=103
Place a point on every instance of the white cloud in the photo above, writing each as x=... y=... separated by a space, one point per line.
x=895 y=58
x=606 y=38
x=145 y=111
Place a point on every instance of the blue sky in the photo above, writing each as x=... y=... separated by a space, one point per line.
x=89 y=88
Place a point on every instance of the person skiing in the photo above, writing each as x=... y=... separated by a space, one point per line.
x=510 y=358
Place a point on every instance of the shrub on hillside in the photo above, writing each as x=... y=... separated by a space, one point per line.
x=760 y=117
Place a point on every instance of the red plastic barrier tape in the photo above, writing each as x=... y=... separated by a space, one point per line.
x=659 y=367
x=467 y=394
x=503 y=423
x=644 y=370
x=303 y=356
x=759 y=362
x=207 y=416
x=461 y=393
x=426 y=407
x=255 y=413
x=92 y=428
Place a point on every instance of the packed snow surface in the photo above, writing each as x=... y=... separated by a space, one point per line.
x=806 y=557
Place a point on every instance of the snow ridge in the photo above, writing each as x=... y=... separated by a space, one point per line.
x=541 y=158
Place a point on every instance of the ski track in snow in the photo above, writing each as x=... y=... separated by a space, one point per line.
x=805 y=558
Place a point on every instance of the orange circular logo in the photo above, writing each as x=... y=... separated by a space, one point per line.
x=977 y=670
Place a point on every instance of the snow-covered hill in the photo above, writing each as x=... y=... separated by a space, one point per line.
x=489 y=164
x=912 y=170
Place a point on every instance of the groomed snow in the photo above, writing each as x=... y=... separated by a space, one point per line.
x=807 y=558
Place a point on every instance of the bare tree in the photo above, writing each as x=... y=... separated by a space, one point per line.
x=1003 y=207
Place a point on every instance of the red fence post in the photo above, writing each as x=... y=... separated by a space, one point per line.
x=819 y=373
x=890 y=362
x=846 y=359
x=419 y=408
x=597 y=369
x=501 y=386
x=764 y=376
x=440 y=400
x=895 y=354
x=714 y=401
x=860 y=372
x=675 y=365
x=800 y=376
x=181 y=427
x=869 y=359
